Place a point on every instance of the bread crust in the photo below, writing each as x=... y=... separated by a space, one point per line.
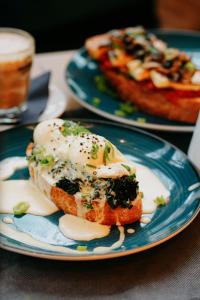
x=153 y=102
x=105 y=215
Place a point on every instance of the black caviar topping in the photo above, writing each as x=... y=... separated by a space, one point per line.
x=121 y=192
x=69 y=186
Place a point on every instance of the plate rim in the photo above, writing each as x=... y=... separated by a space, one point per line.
x=160 y=127
x=123 y=252
x=123 y=121
x=100 y=256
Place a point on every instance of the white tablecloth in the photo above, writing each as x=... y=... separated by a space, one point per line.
x=55 y=62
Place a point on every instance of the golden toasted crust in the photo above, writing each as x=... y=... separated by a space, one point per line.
x=154 y=102
x=64 y=201
x=105 y=215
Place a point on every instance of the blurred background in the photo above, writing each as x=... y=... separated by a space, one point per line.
x=63 y=24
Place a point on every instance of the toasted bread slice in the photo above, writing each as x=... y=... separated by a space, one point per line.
x=155 y=101
x=103 y=214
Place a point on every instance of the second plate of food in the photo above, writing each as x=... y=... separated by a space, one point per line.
x=87 y=85
x=29 y=224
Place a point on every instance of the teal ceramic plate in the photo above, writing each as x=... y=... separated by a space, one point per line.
x=167 y=162
x=82 y=70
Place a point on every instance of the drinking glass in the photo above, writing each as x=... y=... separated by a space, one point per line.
x=17 y=49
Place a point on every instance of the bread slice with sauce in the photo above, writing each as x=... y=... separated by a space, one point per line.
x=99 y=209
x=159 y=80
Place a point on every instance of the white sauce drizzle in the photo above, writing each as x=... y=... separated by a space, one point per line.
x=151 y=187
x=194 y=186
x=145 y=220
x=8 y=166
x=29 y=240
x=8 y=220
x=81 y=229
x=130 y=230
x=15 y=191
x=117 y=244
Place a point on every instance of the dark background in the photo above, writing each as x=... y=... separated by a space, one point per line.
x=63 y=24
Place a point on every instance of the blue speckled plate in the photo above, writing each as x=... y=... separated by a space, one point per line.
x=167 y=162
x=80 y=78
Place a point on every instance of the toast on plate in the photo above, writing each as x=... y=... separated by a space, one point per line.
x=159 y=80
x=83 y=174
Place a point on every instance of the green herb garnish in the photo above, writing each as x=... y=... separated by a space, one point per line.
x=190 y=66
x=94 y=151
x=116 y=46
x=71 y=128
x=102 y=86
x=119 y=113
x=96 y=101
x=128 y=108
x=31 y=157
x=91 y=166
x=84 y=196
x=107 y=151
x=160 y=201
x=81 y=248
x=126 y=167
x=47 y=160
x=141 y=120
x=88 y=205
x=21 y=208
x=125 y=109
x=132 y=176
x=37 y=154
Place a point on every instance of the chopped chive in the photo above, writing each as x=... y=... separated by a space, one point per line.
x=132 y=176
x=141 y=120
x=102 y=85
x=91 y=166
x=21 y=208
x=116 y=46
x=107 y=151
x=71 y=128
x=126 y=167
x=81 y=248
x=160 y=201
x=47 y=161
x=88 y=205
x=85 y=195
x=94 y=151
x=190 y=66
x=119 y=113
x=96 y=101
x=31 y=157
x=128 y=108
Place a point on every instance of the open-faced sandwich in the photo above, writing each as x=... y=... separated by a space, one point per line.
x=84 y=174
x=161 y=81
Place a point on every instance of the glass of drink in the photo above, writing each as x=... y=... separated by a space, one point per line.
x=17 y=49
